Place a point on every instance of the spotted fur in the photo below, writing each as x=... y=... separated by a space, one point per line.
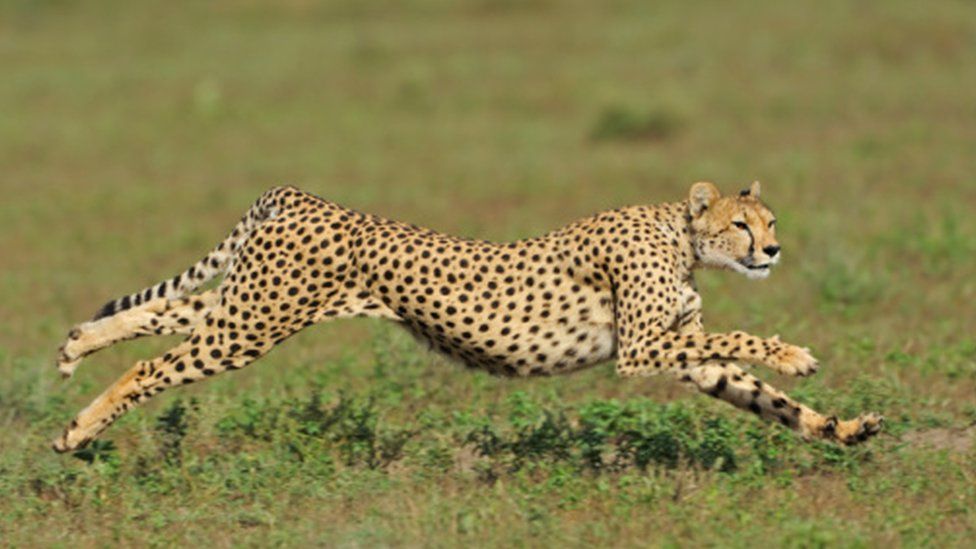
x=617 y=285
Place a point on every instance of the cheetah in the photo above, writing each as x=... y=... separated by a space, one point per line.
x=616 y=285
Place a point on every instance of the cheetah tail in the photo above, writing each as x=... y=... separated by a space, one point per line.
x=214 y=264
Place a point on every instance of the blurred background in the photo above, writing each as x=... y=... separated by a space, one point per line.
x=133 y=135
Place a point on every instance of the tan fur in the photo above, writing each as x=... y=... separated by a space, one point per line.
x=617 y=285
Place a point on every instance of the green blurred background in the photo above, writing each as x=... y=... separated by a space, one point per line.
x=134 y=134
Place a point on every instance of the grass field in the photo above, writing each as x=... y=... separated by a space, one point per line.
x=134 y=134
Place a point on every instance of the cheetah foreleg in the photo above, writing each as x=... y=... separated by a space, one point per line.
x=681 y=351
x=743 y=390
x=783 y=358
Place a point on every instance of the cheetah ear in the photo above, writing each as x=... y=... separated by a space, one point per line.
x=701 y=196
x=753 y=190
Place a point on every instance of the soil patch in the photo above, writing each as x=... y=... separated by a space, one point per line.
x=954 y=440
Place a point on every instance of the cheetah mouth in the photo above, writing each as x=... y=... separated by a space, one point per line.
x=754 y=270
x=750 y=263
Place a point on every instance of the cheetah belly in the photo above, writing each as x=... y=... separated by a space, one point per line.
x=573 y=348
x=555 y=349
x=581 y=335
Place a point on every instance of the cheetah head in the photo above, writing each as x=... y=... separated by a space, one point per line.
x=733 y=232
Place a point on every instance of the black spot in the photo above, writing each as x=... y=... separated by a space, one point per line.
x=720 y=386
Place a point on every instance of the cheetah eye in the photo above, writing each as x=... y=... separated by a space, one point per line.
x=741 y=224
x=771 y=223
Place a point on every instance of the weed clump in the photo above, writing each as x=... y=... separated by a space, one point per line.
x=609 y=436
x=172 y=426
x=351 y=428
x=625 y=124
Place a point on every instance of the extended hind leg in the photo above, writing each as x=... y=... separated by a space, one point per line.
x=731 y=384
x=159 y=316
x=227 y=338
x=214 y=346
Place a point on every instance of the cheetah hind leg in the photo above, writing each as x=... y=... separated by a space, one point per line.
x=743 y=390
x=159 y=316
x=206 y=352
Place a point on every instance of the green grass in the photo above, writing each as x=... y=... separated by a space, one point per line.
x=134 y=135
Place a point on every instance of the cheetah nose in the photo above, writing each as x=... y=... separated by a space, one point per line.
x=771 y=251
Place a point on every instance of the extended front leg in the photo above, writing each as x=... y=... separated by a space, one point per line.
x=745 y=391
x=666 y=334
x=690 y=323
x=648 y=354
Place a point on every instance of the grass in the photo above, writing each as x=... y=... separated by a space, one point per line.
x=620 y=124
x=135 y=134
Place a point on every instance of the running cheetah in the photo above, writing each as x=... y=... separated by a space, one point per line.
x=617 y=285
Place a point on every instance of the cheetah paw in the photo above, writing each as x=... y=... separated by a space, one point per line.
x=854 y=431
x=76 y=347
x=69 y=441
x=68 y=361
x=67 y=367
x=793 y=361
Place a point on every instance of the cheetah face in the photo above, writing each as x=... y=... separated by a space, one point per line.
x=737 y=233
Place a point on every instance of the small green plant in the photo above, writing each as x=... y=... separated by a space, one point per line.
x=714 y=450
x=608 y=436
x=98 y=450
x=625 y=124
x=172 y=426
x=102 y=454
x=351 y=427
